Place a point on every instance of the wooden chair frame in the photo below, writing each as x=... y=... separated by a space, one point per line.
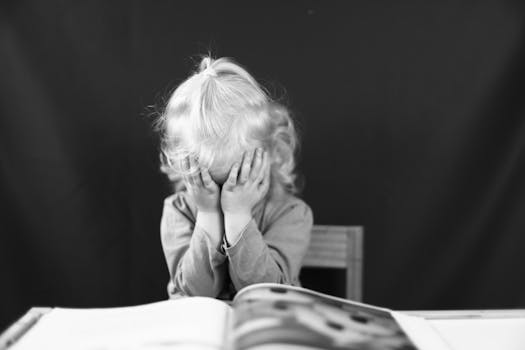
x=339 y=247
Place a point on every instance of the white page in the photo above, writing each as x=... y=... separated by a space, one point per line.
x=421 y=332
x=482 y=333
x=189 y=323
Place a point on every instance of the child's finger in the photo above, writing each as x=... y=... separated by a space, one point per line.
x=264 y=170
x=206 y=178
x=186 y=165
x=265 y=183
x=232 y=177
x=195 y=176
x=245 y=168
x=187 y=181
x=257 y=163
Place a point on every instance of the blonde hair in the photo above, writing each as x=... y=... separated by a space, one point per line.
x=218 y=113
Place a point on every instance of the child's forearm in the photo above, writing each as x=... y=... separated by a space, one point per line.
x=212 y=223
x=234 y=223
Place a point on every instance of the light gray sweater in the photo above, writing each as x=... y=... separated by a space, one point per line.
x=270 y=248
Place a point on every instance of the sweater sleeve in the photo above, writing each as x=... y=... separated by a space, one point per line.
x=195 y=263
x=275 y=255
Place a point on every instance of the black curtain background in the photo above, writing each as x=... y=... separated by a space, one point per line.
x=412 y=116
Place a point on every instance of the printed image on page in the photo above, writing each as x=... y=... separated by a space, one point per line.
x=285 y=317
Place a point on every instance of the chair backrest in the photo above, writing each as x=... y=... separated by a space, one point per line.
x=339 y=247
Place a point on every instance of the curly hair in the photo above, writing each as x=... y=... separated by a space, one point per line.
x=218 y=113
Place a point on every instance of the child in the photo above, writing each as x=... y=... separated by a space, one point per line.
x=234 y=219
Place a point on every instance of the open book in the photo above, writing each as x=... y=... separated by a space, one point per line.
x=262 y=316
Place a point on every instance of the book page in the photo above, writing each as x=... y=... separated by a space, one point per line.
x=421 y=332
x=185 y=323
x=273 y=316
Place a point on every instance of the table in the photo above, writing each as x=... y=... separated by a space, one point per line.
x=461 y=329
x=478 y=329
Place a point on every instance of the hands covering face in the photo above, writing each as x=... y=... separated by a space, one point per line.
x=247 y=184
x=202 y=188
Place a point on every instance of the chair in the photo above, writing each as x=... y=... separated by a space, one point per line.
x=338 y=247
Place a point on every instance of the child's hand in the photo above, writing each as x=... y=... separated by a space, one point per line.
x=247 y=184
x=202 y=189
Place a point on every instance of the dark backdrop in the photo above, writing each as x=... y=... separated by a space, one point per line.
x=412 y=116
